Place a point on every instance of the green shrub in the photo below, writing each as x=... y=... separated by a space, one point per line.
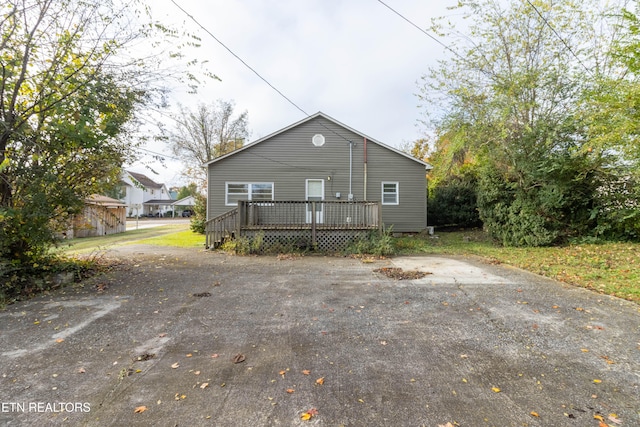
x=375 y=243
x=199 y=217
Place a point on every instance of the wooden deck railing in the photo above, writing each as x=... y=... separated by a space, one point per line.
x=220 y=228
x=293 y=215
x=336 y=215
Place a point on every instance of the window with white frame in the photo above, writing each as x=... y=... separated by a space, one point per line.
x=390 y=193
x=256 y=191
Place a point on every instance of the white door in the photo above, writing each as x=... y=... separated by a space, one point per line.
x=315 y=193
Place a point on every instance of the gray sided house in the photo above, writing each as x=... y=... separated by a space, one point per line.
x=321 y=159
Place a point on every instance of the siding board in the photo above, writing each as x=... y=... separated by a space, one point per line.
x=288 y=158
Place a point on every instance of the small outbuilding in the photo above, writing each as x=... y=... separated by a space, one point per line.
x=101 y=216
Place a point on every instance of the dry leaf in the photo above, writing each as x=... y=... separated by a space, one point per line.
x=290 y=390
x=59 y=340
x=495 y=389
x=175 y=365
x=312 y=411
x=140 y=409
x=320 y=381
x=238 y=358
x=282 y=373
x=306 y=372
x=534 y=414
x=597 y=381
x=598 y=417
x=306 y=416
x=214 y=355
x=204 y=385
x=614 y=418
x=189 y=355
x=81 y=371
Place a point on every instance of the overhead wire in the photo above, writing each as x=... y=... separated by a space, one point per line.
x=286 y=98
x=421 y=29
x=240 y=59
x=559 y=37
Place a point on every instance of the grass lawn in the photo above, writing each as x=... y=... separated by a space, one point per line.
x=608 y=268
x=167 y=235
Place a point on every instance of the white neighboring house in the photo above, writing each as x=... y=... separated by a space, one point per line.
x=143 y=196
x=182 y=205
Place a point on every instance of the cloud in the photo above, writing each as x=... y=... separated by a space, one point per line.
x=354 y=60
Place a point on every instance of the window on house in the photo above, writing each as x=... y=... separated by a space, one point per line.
x=390 y=193
x=261 y=191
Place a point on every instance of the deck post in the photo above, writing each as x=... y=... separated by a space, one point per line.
x=313 y=224
x=242 y=217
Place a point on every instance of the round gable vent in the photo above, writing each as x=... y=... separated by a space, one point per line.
x=318 y=140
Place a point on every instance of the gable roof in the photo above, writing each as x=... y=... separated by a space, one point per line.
x=144 y=180
x=97 y=199
x=307 y=119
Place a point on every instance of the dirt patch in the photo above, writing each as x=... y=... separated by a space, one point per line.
x=400 y=274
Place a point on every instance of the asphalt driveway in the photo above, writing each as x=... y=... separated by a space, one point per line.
x=188 y=337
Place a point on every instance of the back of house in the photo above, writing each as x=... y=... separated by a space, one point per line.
x=321 y=159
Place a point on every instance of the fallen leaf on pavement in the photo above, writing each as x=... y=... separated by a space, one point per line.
x=306 y=416
x=238 y=358
x=534 y=414
x=306 y=372
x=290 y=390
x=614 y=419
x=140 y=409
x=175 y=365
x=204 y=385
x=320 y=381
x=495 y=389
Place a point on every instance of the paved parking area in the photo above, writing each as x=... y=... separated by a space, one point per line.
x=155 y=342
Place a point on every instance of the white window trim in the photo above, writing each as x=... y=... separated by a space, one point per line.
x=397 y=192
x=249 y=189
x=306 y=187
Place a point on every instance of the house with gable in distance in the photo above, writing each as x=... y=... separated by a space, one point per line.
x=321 y=162
x=143 y=196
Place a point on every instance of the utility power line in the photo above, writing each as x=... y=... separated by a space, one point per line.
x=558 y=36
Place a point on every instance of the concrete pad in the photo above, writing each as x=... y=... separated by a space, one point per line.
x=154 y=342
x=447 y=270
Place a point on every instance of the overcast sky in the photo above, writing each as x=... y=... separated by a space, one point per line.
x=355 y=60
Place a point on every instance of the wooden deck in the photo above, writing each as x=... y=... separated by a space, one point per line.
x=309 y=216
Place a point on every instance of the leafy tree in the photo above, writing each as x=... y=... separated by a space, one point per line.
x=188 y=190
x=513 y=102
x=611 y=110
x=199 y=217
x=206 y=133
x=70 y=92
